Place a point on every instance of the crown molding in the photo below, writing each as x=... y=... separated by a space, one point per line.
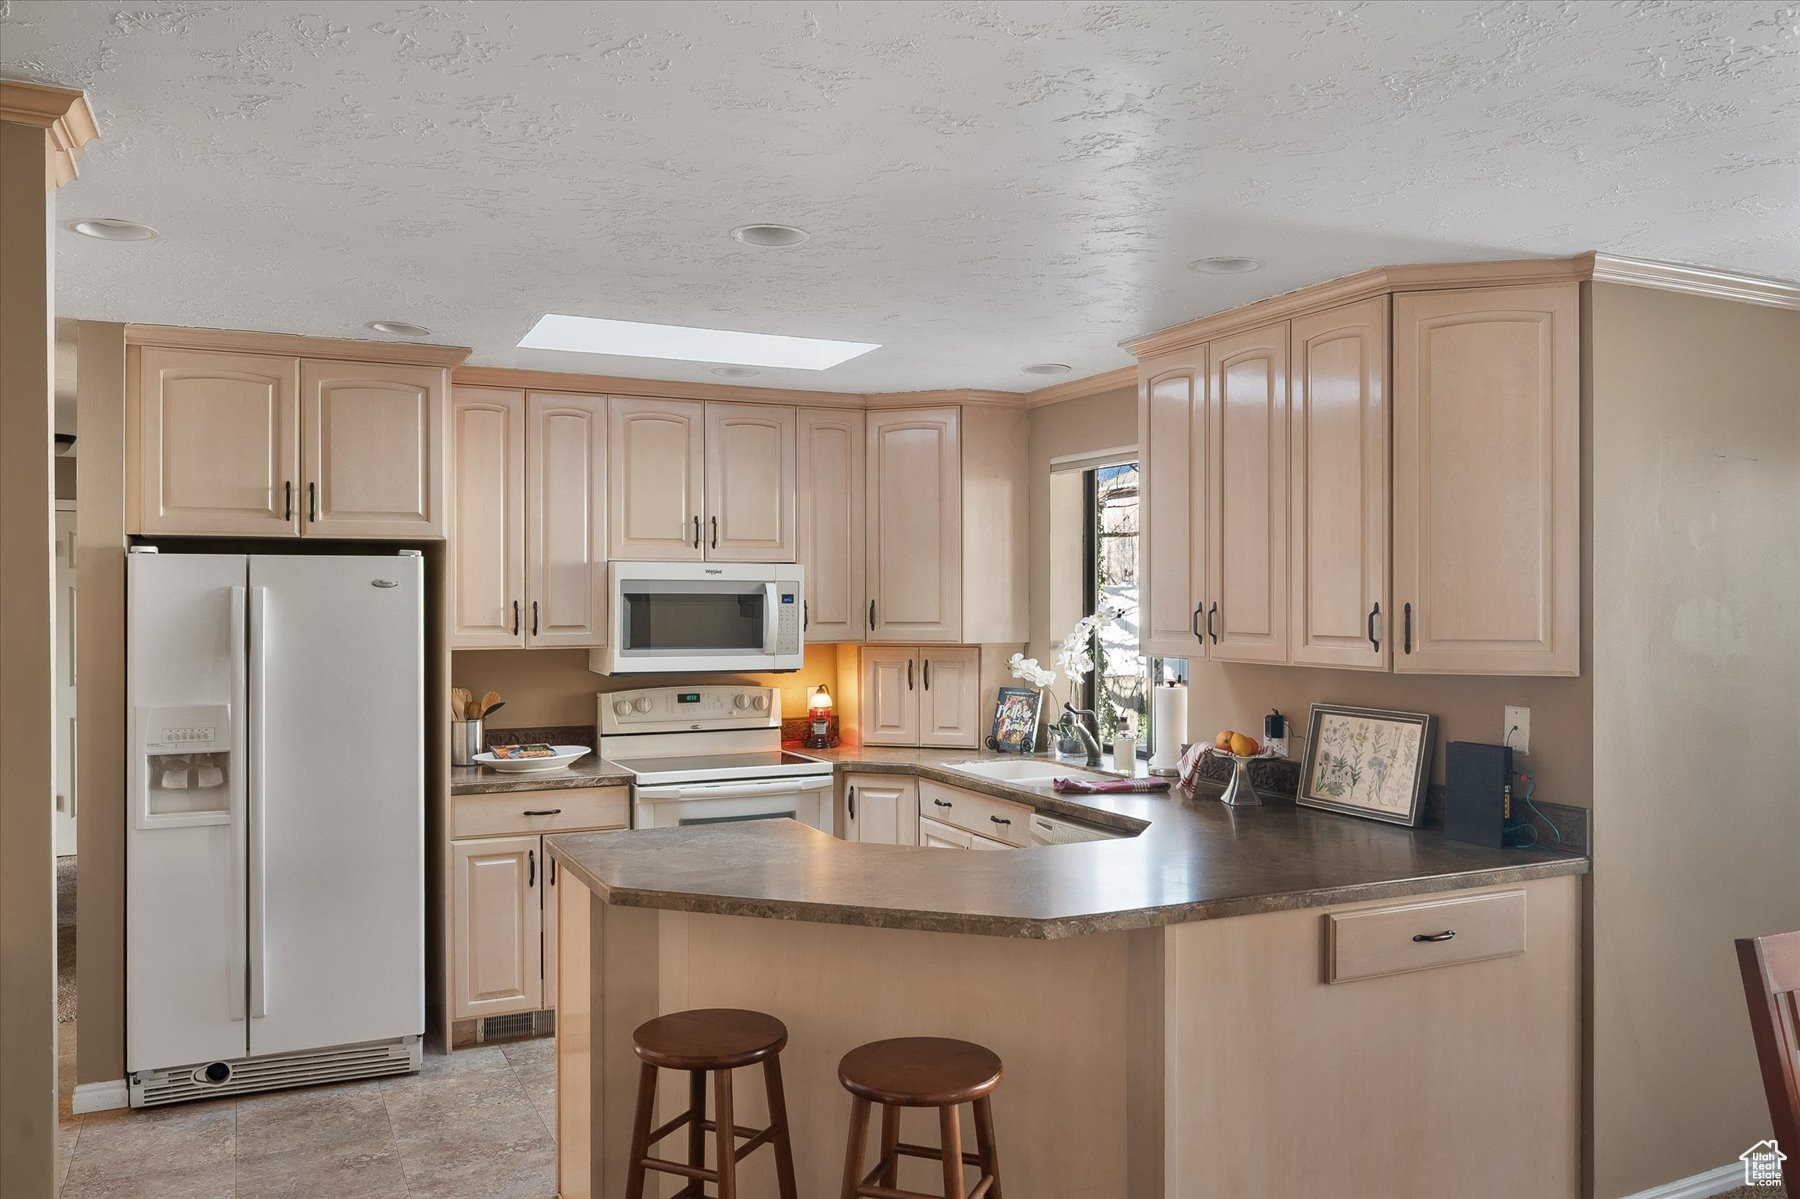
x=410 y=353
x=1077 y=389
x=945 y=395
x=1696 y=281
x=663 y=389
x=61 y=112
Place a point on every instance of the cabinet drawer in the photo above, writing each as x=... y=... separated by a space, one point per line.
x=504 y=812
x=1398 y=938
x=997 y=819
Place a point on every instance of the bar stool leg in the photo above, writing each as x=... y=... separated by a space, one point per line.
x=696 y=1137
x=890 y=1137
x=984 y=1144
x=784 y=1148
x=725 y=1145
x=950 y=1136
x=859 y=1142
x=640 y=1132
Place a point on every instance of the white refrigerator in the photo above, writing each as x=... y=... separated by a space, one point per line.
x=274 y=865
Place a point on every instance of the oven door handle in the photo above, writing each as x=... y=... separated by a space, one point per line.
x=747 y=789
x=771 y=615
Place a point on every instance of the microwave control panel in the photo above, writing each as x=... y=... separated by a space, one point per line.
x=787 y=619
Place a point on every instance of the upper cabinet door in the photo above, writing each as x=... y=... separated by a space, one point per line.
x=218 y=444
x=749 y=483
x=915 y=525
x=890 y=696
x=829 y=521
x=1246 y=614
x=565 y=583
x=1172 y=465
x=1487 y=481
x=950 y=697
x=487 y=518
x=373 y=449
x=655 y=477
x=1338 y=609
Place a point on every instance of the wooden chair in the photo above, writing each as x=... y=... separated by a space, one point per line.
x=716 y=1041
x=920 y=1072
x=1771 y=969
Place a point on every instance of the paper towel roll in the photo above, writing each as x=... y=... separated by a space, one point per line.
x=1168 y=726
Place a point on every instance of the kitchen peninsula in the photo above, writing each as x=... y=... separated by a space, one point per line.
x=1225 y=978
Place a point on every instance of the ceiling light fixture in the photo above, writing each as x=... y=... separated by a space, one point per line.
x=1047 y=368
x=108 y=228
x=678 y=343
x=770 y=236
x=1227 y=265
x=735 y=372
x=400 y=328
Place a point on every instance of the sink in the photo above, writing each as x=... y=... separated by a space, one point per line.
x=1028 y=772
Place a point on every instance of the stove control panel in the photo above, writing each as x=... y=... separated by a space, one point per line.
x=686 y=709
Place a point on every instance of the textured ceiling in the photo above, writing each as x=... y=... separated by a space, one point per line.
x=987 y=185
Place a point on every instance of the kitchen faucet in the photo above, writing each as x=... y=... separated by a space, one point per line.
x=1090 y=738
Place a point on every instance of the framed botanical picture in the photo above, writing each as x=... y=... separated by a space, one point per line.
x=1367 y=762
x=1016 y=720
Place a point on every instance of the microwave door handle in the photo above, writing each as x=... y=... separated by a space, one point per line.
x=771 y=616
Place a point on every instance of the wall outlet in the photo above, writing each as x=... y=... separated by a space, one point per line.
x=1516 y=731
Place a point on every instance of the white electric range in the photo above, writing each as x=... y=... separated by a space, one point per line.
x=710 y=755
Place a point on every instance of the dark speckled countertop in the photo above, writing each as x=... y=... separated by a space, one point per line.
x=588 y=771
x=1189 y=860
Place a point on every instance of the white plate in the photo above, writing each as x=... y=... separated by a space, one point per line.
x=564 y=755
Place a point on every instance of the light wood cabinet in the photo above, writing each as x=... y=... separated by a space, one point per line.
x=925 y=695
x=829 y=516
x=1172 y=441
x=551 y=870
x=218 y=443
x=750 y=483
x=1247 y=497
x=915 y=525
x=881 y=809
x=372 y=449
x=1487 y=481
x=656 y=471
x=1000 y=820
x=1338 y=612
x=527 y=553
x=565 y=519
x=486 y=545
x=950 y=696
x=935 y=834
x=497 y=922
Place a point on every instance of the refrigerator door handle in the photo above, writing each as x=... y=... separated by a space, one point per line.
x=237 y=963
x=259 y=997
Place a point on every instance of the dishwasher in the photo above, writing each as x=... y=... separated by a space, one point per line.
x=1048 y=830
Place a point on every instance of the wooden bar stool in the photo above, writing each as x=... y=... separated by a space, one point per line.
x=716 y=1041
x=920 y=1072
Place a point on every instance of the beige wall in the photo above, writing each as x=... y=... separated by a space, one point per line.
x=1697 y=705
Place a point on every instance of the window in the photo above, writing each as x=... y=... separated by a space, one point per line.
x=1120 y=680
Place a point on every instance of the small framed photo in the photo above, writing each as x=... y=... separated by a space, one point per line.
x=1367 y=762
x=1016 y=715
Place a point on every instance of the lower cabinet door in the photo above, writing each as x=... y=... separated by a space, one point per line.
x=496 y=926
x=976 y=842
x=934 y=834
x=882 y=809
x=547 y=863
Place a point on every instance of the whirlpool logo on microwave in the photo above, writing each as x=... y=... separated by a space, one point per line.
x=715 y=570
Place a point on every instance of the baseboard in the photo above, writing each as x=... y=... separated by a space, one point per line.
x=1698 y=1186
x=100 y=1096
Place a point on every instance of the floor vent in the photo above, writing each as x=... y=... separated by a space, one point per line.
x=517 y=1025
x=210 y=1080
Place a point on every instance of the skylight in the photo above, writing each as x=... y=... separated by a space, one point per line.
x=631 y=339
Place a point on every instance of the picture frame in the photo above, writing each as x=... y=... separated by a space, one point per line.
x=1367 y=762
x=1017 y=711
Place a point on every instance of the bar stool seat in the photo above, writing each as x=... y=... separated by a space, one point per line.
x=712 y=1041
x=920 y=1072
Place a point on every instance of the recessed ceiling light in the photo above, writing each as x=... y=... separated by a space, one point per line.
x=735 y=372
x=630 y=339
x=1226 y=266
x=112 y=229
x=400 y=328
x=1047 y=368
x=768 y=236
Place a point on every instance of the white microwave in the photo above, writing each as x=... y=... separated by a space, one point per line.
x=694 y=617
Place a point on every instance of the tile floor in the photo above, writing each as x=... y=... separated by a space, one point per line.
x=478 y=1124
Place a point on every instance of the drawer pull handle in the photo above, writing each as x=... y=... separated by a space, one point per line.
x=942 y=803
x=1446 y=935
x=1000 y=819
x=543 y=811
